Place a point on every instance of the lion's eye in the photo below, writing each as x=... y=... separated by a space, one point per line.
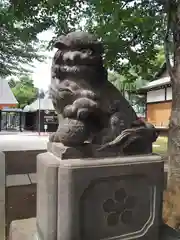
x=87 y=51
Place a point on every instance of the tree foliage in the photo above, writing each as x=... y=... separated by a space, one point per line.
x=24 y=90
x=124 y=84
x=19 y=44
x=131 y=30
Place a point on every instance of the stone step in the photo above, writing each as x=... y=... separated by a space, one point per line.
x=20 y=179
x=23 y=229
x=20 y=197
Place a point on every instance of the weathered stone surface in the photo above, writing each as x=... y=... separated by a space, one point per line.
x=47 y=187
x=64 y=152
x=115 y=198
x=23 y=229
x=26 y=230
x=2 y=196
x=92 y=108
x=86 y=150
x=47 y=179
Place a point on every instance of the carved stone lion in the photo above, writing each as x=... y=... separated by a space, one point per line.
x=93 y=109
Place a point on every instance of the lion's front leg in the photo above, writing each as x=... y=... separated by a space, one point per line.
x=80 y=109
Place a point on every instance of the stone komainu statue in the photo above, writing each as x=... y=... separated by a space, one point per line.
x=91 y=109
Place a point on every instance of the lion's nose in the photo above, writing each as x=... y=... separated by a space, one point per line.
x=71 y=56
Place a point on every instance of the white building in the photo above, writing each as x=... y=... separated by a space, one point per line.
x=158 y=99
x=7 y=98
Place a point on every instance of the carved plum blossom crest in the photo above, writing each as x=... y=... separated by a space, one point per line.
x=119 y=208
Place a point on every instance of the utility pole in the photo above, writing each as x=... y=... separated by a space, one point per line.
x=40 y=96
x=39 y=113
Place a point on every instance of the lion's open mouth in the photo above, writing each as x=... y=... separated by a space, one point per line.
x=65 y=90
x=75 y=68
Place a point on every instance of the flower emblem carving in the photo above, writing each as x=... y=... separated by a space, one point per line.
x=120 y=208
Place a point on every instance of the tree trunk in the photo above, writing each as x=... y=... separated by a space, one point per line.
x=174 y=126
x=174 y=135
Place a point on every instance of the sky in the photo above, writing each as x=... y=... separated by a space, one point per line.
x=42 y=71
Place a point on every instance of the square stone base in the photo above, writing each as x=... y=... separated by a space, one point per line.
x=113 y=198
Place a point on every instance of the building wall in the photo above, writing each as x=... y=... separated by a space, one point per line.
x=159 y=113
x=156 y=95
x=7 y=97
x=158 y=106
x=169 y=93
x=7 y=106
x=159 y=102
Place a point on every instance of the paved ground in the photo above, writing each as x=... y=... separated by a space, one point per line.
x=22 y=141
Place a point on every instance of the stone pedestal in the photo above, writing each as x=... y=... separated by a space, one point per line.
x=92 y=199
x=83 y=195
x=2 y=196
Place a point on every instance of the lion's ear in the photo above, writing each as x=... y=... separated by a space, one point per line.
x=60 y=42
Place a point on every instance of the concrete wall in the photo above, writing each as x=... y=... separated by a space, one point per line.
x=20 y=170
x=21 y=162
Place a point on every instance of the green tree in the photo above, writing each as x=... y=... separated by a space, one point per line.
x=116 y=79
x=24 y=90
x=12 y=83
x=123 y=83
x=19 y=44
x=131 y=30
